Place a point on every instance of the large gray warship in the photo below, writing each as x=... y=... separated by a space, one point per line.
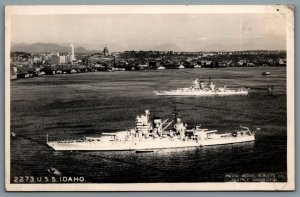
x=155 y=134
x=201 y=88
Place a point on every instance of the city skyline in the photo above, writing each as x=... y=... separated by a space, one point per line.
x=171 y=32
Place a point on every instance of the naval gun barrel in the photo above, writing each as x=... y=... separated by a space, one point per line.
x=212 y=131
x=165 y=121
x=167 y=125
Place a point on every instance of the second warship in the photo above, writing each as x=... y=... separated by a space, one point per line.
x=201 y=88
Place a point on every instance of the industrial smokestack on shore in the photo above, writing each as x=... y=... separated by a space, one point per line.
x=72 y=53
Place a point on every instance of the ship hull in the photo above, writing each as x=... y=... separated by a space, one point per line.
x=145 y=144
x=200 y=93
x=229 y=140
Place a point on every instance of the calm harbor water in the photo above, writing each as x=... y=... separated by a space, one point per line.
x=77 y=105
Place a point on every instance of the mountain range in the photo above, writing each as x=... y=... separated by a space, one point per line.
x=47 y=47
x=65 y=48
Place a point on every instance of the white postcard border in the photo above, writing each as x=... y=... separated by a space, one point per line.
x=287 y=11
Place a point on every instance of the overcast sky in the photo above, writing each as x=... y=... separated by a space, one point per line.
x=178 y=32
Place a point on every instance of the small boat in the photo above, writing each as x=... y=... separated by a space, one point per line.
x=161 y=68
x=149 y=135
x=266 y=73
x=54 y=171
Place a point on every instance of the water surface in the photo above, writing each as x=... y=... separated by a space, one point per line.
x=77 y=105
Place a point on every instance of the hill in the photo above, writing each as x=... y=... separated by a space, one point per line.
x=46 y=47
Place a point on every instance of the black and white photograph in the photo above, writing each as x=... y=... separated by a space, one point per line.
x=149 y=98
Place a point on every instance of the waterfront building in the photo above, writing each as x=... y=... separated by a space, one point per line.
x=54 y=59
x=62 y=59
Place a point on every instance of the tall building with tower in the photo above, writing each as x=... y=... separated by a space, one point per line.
x=72 y=53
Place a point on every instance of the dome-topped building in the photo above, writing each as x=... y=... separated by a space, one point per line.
x=105 y=51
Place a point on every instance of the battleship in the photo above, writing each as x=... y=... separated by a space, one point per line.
x=200 y=88
x=155 y=134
